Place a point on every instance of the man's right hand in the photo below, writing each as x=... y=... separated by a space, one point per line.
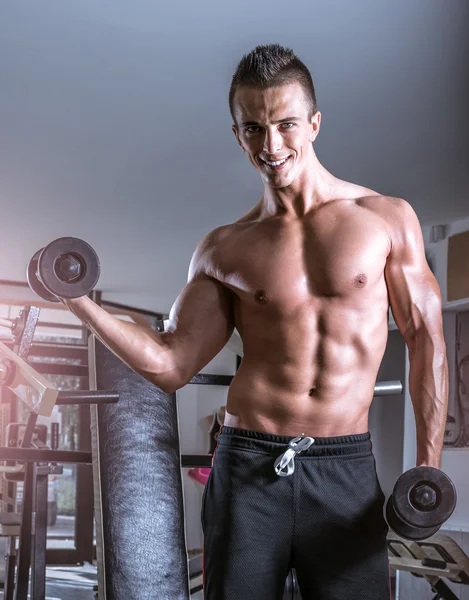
x=141 y=347
x=201 y=322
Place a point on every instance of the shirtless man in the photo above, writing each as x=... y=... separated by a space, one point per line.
x=307 y=277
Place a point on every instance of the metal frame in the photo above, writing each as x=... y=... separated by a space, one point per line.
x=147 y=313
x=196 y=461
x=78 y=457
x=36 y=455
x=39 y=533
x=24 y=551
x=51 y=349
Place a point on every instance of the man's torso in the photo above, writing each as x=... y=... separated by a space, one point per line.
x=311 y=305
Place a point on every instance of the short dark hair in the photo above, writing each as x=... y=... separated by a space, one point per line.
x=272 y=66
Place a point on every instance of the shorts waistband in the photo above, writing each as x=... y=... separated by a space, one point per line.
x=260 y=441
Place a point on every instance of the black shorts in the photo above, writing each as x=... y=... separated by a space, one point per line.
x=325 y=520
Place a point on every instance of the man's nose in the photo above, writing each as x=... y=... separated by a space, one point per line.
x=273 y=141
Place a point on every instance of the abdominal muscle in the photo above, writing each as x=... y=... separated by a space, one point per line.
x=303 y=383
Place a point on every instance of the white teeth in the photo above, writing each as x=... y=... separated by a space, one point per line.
x=277 y=163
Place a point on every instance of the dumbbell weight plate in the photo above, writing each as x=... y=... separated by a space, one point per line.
x=82 y=254
x=33 y=281
x=445 y=497
x=402 y=529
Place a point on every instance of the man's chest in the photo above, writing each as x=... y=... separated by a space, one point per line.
x=293 y=264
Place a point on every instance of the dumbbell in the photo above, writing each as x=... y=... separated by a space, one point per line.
x=67 y=268
x=422 y=500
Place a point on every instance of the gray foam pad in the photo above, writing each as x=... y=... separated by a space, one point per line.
x=138 y=489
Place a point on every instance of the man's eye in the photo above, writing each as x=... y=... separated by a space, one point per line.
x=253 y=129
x=287 y=125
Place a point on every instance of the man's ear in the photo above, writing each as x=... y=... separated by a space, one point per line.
x=315 y=126
x=234 y=129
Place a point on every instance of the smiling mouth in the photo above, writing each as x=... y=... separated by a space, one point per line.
x=275 y=165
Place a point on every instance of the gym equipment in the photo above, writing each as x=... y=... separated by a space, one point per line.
x=435 y=559
x=140 y=538
x=31 y=387
x=387 y=388
x=25 y=569
x=422 y=500
x=34 y=282
x=7 y=371
x=66 y=268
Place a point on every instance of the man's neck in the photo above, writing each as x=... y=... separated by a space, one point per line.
x=313 y=187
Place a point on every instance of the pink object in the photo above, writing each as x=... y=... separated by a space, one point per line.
x=200 y=474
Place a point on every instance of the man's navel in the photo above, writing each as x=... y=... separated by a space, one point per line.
x=261 y=297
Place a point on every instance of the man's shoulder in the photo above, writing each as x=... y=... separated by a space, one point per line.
x=393 y=210
x=400 y=220
x=372 y=200
x=210 y=250
x=216 y=237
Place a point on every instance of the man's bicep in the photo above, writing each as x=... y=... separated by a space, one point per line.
x=200 y=324
x=414 y=294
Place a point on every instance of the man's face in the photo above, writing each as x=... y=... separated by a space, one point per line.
x=274 y=129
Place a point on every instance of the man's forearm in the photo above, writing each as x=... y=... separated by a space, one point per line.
x=428 y=383
x=142 y=348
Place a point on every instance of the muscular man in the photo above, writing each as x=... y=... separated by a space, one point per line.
x=307 y=277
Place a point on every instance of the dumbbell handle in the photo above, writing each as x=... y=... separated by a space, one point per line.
x=423 y=497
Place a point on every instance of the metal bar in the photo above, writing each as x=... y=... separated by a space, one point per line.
x=48 y=349
x=10 y=283
x=6 y=323
x=9 y=398
x=29 y=455
x=46 y=368
x=10 y=567
x=87 y=397
x=84 y=506
x=39 y=537
x=207 y=379
x=59 y=325
x=96 y=296
x=24 y=551
x=382 y=388
x=414 y=565
x=196 y=461
x=388 y=388
x=443 y=590
x=140 y=311
x=196 y=585
x=23 y=334
x=29 y=431
x=63 y=556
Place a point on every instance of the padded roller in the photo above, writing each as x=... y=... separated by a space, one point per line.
x=138 y=488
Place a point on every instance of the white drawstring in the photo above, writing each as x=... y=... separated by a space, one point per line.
x=285 y=463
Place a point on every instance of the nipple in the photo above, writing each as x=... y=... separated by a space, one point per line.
x=261 y=297
x=360 y=280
